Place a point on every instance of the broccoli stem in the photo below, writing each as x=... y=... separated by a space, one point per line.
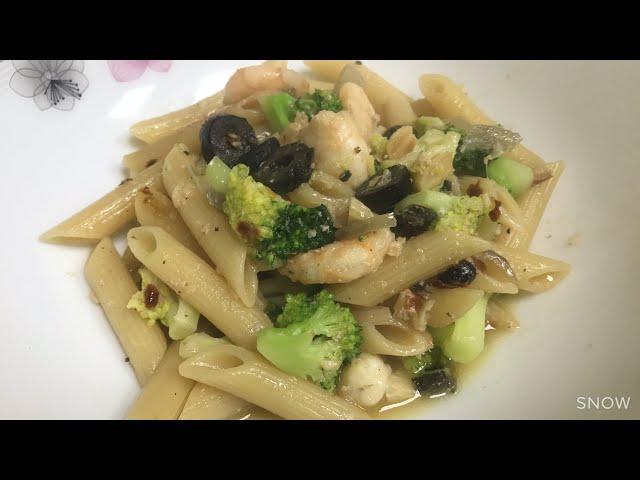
x=280 y=110
x=439 y=202
x=514 y=176
x=463 y=340
x=217 y=174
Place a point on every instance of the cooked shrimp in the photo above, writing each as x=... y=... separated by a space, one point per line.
x=268 y=76
x=341 y=261
x=338 y=146
x=365 y=380
x=355 y=101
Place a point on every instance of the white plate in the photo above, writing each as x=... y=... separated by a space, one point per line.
x=60 y=359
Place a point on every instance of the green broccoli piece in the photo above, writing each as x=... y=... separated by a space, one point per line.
x=514 y=176
x=464 y=215
x=422 y=124
x=317 y=101
x=378 y=145
x=173 y=312
x=463 y=340
x=273 y=308
x=471 y=162
x=275 y=228
x=314 y=338
x=430 y=162
x=419 y=364
x=459 y=213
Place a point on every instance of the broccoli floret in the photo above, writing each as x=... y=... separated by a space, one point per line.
x=156 y=302
x=459 y=213
x=275 y=228
x=431 y=160
x=317 y=101
x=464 y=215
x=422 y=124
x=378 y=145
x=471 y=162
x=419 y=364
x=314 y=338
x=479 y=144
x=160 y=306
x=273 y=309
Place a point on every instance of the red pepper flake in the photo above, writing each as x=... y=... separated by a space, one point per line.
x=146 y=190
x=495 y=213
x=151 y=296
x=474 y=190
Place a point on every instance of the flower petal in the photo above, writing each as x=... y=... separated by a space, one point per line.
x=61 y=66
x=160 y=65
x=41 y=65
x=127 y=70
x=77 y=65
x=30 y=72
x=42 y=100
x=24 y=86
x=77 y=77
x=20 y=64
x=65 y=103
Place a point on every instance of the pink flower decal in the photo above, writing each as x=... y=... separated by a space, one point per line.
x=129 y=70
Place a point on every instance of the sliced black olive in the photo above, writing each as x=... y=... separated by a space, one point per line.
x=382 y=191
x=435 y=382
x=287 y=168
x=414 y=220
x=228 y=137
x=259 y=153
x=391 y=130
x=460 y=275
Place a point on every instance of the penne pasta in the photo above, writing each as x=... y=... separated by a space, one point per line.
x=384 y=335
x=320 y=84
x=210 y=227
x=499 y=316
x=110 y=282
x=132 y=264
x=397 y=110
x=378 y=89
x=510 y=215
x=329 y=185
x=155 y=209
x=327 y=69
x=451 y=304
x=306 y=196
x=198 y=283
x=156 y=128
x=534 y=273
x=246 y=375
x=450 y=101
x=492 y=284
x=532 y=204
x=423 y=108
x=106 y=216
x=150 y=154
x=422 y=257
x=164 y=395
x=209 y=403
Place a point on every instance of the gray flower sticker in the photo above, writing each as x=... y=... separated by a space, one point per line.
x=51 y=83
